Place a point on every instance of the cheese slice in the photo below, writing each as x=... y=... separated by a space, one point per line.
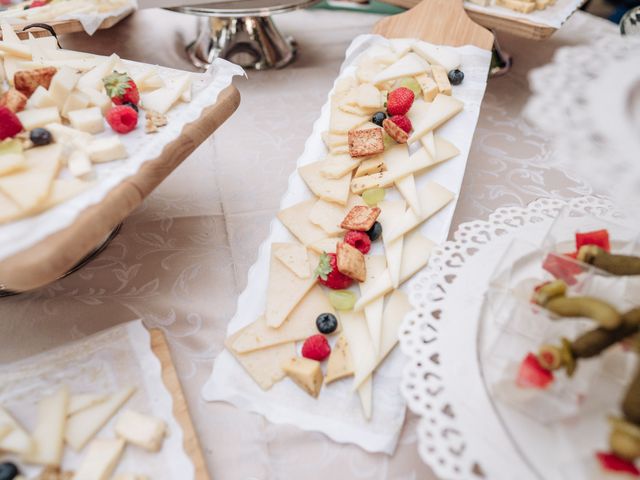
x=79 y=163
x=438 y=55
x=408 y=66
x=433 y=197
x=341 y=150
x=339 y=364
x=296 y=219
x=305 y=373
x=326 y=245
x=162 y=99
x=48 y=436
x=442 y=79
x=356 y=332
x=415 y=255
x=395 y=311
x=285 y=290
x=84 y=425
x=62 y=84
x=76 y=101
x=9 y=210
x=92 y=80
x=429 y=143
x=368 y=96
x=294 y=256
x=335 y=140
x=143 y=431
x=101 y=459
x=341 y=122
x=299 y=325
x=331 y=190
x=402 y=46
x=5 y=428
x=18 y=50
x=41 y=98
x=16 y=440
x=371 y=165
x=376 y=266
x=390 y=217
x=11 y=163
x=337 y=166
x=62 y=190
x=442 y=109
x=83 y=401
x=8 y=34
x=428 y=86
x=328 y=216
x=405 y=185
x=445 y=150
x=38 y=117
x=263 y=366
x=106 y=149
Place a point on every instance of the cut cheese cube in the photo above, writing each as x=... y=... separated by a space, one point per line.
x=162 y=99
x=442 y=109
x=408 y=66
x=442 y=79
x=331 y=190
x=84 y=425
x=101 y=460
x=429 y=87
x=98 y=99
x=81 y=402
x=438 y=55
x=16 y=440
x=339 y=364
x=75 y=101
x=88 y=120
x=376 y=266
x=144 y=431
x=63 y=134
x=106 y=150
x=294 y=256
x=62 y=84
x=38 y=117
x=48 y=436
x=305 y=373
x=79 y=163
x=41 y=98
x=92 y=80
x=296 y=219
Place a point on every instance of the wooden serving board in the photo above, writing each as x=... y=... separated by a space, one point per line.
x=62 y=27
x=51 y=258
x=192 y=447
x=515 y=26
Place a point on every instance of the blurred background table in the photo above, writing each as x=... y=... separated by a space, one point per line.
x=182 y=258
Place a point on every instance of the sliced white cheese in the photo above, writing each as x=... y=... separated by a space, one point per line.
x=294 y=256
x=371 y=165
x=63 y=134
x=329 y=189
x=429 y=143
x=285 y=290
x=392 y=213
x=83 y=401
x=433 y=197
x=402 y=46
x=79 y=163
x=106 y=149
x=328 y=216
x=442 y=109
x=62 y=84
x=11 y=163
x=368 y=96
x=408 y=66
x=62 y=190
x=415 y=255
x=101 y=460
x=339 y=364
x=341 y=122
x=92 y=80
x=16 y=440
x=299 y=325
x=162 y=99
x=8 y=34
x=296 y=219
x=326 y=245
x=98 y=99
x=48 y=436
x=376 y=266
x=18 y=50
x=84 y=425
x=363 y=355
x=87 y=119
x=38 y=117
x=41 y=98
x=141 y=430
x=437 y=54
x=337 y=166
x=445 y=150
x=406 y=185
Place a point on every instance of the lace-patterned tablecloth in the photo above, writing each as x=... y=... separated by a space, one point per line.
x=182 y=257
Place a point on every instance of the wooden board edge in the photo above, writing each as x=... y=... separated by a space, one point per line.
x=192 y=446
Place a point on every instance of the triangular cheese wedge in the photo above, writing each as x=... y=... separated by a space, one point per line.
x=300 y=324
x=437 y=54
x=83 y=401
x=356 y=332
x=408 y=66
x=445 y=150
x=405 y=185
x=326 y=245
x=331 y=190
x=415 y=255
x=433 y=197
x=441 y=110
x=418 y=110
x=376 y=266
x=92 y=80
x=294 y=256
x=264 y=366
x=305 y=373
x=341 y=122
x=337 y=166
x=285 y=290
x=296 y=219
x=162 y=99
x=392 y=213
x=48 y=436
x=16 y=440
x=401 y=46
x=371 y=165
x=429 y=143
x=329 y=216
x=339 y=364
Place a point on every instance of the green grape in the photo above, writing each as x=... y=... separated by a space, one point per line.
x=410 y=83
x=342 y=299
x=373 y=196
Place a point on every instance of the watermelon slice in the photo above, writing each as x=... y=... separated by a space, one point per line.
x=562 y=268
x=599 y=238
x=610 y=462
x=533 y=375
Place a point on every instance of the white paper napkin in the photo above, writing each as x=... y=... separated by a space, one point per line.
x=552 y=16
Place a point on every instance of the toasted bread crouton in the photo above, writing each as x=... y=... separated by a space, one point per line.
x=395 y=131
x=363 y=143
x=26 y=81
x=351 y=262
x=13 y=100
x=360 y=218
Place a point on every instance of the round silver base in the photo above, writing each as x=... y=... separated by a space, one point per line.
x=251 y=42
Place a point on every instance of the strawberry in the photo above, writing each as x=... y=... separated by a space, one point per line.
x=403 y=122
x=121 y=88
x=10 y=124
x=359 y=240
x=122 y=118
x=316 y=347
x=533 y=375
x=328 y=274
x=399 y=101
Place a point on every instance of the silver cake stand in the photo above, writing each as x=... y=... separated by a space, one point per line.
x=243 y=32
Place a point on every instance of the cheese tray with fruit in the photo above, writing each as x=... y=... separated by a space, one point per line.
x=67 y=16
x=74 y=126
x=312 y=342
x=98 y=408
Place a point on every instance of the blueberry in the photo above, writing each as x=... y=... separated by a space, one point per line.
x=375 y=232
x=326 y=323
x=8 y=471
x=40 y=136
x=456 y=77
x=132 y=105
x=378 y=118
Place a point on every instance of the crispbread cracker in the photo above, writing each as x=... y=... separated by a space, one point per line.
x=364 y=143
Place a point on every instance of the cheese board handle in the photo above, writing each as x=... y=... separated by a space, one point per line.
x=443 y=22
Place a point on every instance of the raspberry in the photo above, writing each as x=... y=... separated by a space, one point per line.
x=122 y=118
x=403 y=122
x=316 y=347
x=399 y=101
x=359 y=240
x=10 y=124
x=328 y=274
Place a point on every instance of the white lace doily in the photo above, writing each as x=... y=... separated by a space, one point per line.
x=588 y=100
x=460 y=433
